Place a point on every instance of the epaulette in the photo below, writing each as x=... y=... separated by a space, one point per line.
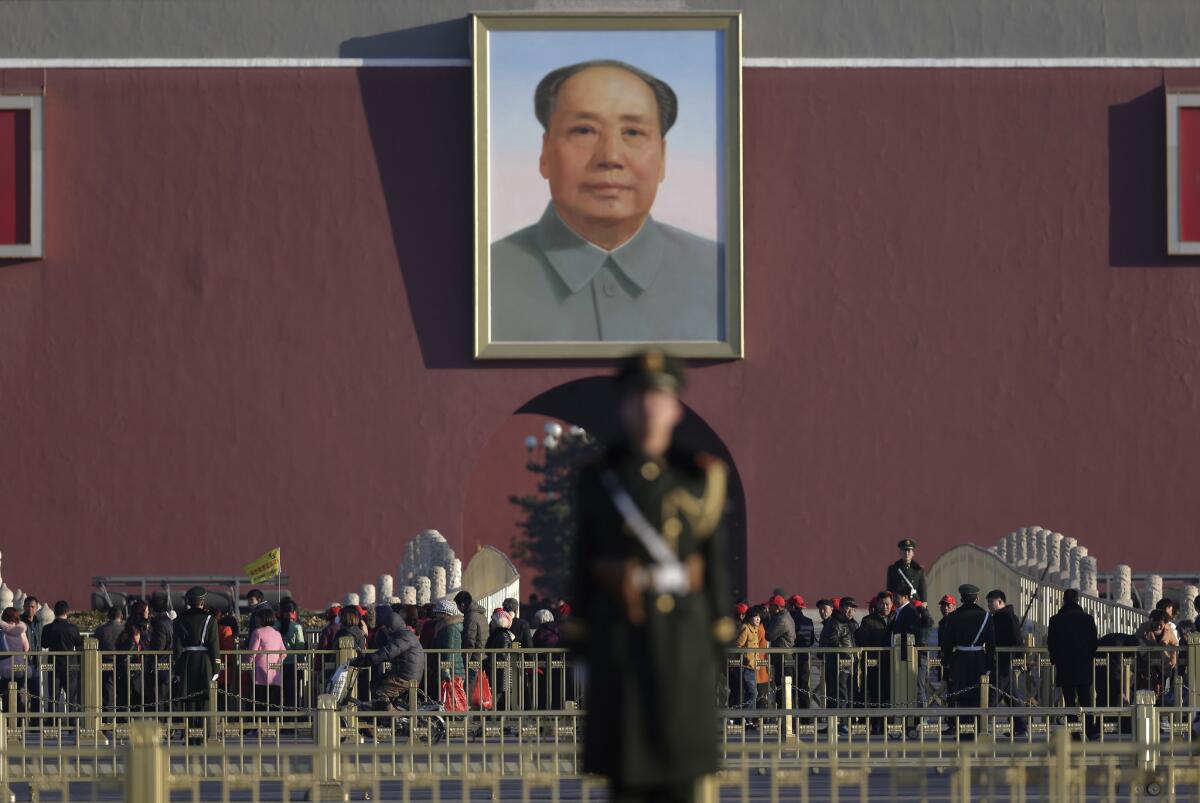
x=716 y=480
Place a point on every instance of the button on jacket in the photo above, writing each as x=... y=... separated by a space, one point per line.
x=548 y=284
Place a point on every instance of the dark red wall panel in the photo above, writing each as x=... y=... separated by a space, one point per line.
x=254 y=326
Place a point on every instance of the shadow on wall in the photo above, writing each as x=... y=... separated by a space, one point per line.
x=1137 y=185
x=590 y=402
x=420 y=122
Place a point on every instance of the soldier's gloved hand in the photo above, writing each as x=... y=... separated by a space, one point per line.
x=669 y=579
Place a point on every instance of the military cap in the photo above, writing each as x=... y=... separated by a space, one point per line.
x=907 y=543
x=968 y=590
x=651 y=370
x=195 y=594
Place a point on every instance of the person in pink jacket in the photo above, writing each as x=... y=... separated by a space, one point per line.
x=268 y=663
x=13 y=638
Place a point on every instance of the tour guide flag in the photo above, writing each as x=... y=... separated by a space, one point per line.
x=263 y=568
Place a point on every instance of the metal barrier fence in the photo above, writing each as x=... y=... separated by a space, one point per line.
x=333 y=767
x=71 y=718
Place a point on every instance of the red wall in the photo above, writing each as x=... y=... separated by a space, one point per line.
x=253 y=324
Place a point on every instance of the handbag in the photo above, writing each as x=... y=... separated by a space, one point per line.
x=481 y=692
x=454 y=695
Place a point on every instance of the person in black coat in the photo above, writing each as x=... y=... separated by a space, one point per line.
x=838 y=632
x=107 y=636
x=806 y=636
x=520 y=628
x=1072 y=641
x=968 y=648
x=399 y=648
x=196 y=648
x=62 y=636
x=162 y=636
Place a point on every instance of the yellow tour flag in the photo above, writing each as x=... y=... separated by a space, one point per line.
x=263 y=568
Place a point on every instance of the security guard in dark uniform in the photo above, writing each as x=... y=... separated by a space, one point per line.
x=906 y=574
x=650 y=597
x=968 y=645
x=197 y=650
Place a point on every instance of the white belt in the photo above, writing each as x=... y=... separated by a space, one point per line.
x=195 y=649
x=959 y=649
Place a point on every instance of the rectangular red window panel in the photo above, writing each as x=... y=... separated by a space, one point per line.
x=16 y=180
x=1183 y=172
x=20 y=176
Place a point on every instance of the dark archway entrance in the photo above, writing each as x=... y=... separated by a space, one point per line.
x=589 y=403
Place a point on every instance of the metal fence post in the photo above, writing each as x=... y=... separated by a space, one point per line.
x=985 y=693
x=5 y=718
x=213 y=722
x=1061 y=766
x=1145 y=728
x=787 y=704
x=147 y=777
x=1193 y=675
x=327 y=764
x=90 y=684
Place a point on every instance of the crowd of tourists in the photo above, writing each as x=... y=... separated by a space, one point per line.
x=391 y=641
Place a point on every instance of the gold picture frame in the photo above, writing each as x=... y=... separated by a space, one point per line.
x=677 y=269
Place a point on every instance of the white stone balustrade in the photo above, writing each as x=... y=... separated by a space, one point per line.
x=1154 y=591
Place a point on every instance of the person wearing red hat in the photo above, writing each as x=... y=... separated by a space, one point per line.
x=781 y=633
x=805 y=637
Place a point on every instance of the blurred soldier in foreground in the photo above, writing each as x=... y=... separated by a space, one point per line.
x=968 y=646
x=650 y=594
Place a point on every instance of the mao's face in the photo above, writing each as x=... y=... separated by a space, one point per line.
x=604 y=153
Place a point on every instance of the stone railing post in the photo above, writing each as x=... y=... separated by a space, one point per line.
x=1123 y=582
x=1075 y=579
x=1154 y=591
x=1187 y=605
x=1054 y=547
x=1066 y=550
x=1088 y=577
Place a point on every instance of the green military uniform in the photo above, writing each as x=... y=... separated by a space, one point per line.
x=653 y=655
x=550 y=284
x=968 y=645
x=907 y=577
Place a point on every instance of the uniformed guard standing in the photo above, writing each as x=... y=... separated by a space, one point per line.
x=197 y=649
x=968 y=644
x=906 y=573
x=651 y=595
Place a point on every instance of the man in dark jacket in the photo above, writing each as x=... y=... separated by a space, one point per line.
x=162 y=636
x=906 y=573
x=106 y=641
x=520 y=628
x=1071 y=639
x=1004 y=687
x=968 y=646
x=838 y=632
x=400 y=649
x=475 y=621
x=876 y=686
x=650 y=595
x=197 y=649
x=33 y=632
x=906 y=621
x=806 y=637
x=781 y=634
x=61 y=636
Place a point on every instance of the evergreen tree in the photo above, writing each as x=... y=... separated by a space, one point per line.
x=546 y=530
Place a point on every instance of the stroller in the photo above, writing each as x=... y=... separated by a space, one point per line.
x=429 y=729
